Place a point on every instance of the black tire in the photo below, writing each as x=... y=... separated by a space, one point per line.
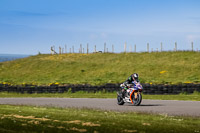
x=137 y=101
x=120 y=100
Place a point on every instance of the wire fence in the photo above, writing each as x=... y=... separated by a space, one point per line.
x=87 y=50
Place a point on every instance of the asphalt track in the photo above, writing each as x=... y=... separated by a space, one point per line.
x=169 y=107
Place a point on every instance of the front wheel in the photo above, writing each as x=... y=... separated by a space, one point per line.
x=120 y=100
x=138 y=100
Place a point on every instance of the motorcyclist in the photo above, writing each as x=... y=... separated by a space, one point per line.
x=133 y=79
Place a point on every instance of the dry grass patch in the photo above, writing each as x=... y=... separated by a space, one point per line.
x=26 y=117
x=73 y=122
x=77 y=129
x=130 y=131
x=146 y=124
x=91 y=124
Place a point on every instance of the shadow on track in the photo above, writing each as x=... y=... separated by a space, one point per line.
x=146 y=105
x=151 y=105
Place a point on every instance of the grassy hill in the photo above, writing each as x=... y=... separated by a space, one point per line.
x=98 y=68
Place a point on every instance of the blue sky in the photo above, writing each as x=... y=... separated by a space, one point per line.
x=29 y=26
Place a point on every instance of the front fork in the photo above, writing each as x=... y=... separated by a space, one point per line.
x=135 y=93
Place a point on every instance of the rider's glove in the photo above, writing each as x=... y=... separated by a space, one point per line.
x=122 y=85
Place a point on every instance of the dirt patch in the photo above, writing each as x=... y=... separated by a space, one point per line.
x=91 y=124
x=146 y=124
x=27 y=117
x=60 y=127
x=79 y=130
x=34 y=122
x=130 y=131
x=73 y=122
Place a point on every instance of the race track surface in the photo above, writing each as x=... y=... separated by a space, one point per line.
x=169 y=107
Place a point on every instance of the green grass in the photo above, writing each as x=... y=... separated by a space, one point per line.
x=80 y=94
x=157 y=67
x=43 y=119
x=190 y=97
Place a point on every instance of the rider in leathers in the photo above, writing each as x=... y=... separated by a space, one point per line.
x=131 y=79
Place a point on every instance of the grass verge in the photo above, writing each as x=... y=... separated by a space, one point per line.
x=81 y=94
x=41 y=119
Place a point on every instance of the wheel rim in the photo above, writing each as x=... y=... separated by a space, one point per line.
x=136 y=101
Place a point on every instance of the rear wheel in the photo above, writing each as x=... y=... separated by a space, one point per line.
x=138 y=100
x=120 y=100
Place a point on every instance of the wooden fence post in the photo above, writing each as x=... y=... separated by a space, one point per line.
x=80 y=48
x=59 y=50
x=148 y=47
x=95 y=48
x=192 y=46
x=161 y=47
x=104 y=47
x=112 y=48
x=87 y=48
x=175 y=49
x=135 y=48
x=125 y=47
x=73 y=49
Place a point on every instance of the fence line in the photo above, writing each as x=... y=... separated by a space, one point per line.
x=64 y=50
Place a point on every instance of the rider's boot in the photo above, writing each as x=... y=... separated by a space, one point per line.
x=123 y=93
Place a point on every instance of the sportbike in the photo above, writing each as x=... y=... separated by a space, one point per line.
x=132 y=94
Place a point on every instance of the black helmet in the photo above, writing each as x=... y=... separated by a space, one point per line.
x=135 y=76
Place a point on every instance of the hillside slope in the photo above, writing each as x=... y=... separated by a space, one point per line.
x=98 y=68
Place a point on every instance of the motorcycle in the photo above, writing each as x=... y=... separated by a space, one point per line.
x=132 y=94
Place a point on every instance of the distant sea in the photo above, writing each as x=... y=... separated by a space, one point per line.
x=9 y=57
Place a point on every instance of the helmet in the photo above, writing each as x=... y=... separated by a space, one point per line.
x=135 y=76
